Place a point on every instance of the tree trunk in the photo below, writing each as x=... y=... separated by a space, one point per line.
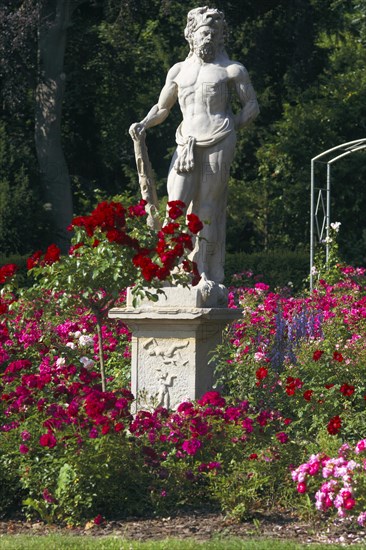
x=55 y=16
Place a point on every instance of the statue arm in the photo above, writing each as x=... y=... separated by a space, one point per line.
x=159 y=112
x=247 y=97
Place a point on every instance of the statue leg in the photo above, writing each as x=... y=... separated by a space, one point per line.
x=210 y=206
x=181 y=186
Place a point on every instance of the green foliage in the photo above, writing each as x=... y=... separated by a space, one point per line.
x=278 y=268
x=253 y=486
x=107 y=475
x=22 y=218
x=306 y=61
x=328 y=267
x=10 y=486
x=304 y=358
x=309 y=102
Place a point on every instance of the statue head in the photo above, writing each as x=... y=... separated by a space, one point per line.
x=205 y=32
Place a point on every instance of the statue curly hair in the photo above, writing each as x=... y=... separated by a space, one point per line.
x=203 y=16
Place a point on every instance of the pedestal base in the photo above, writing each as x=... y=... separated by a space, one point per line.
x=172 y=350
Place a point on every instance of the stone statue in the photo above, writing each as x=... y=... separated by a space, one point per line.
x=206 y=137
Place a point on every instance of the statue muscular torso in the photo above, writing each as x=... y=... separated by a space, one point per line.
x=203 y=97
x=205 y=144
x=202 y=90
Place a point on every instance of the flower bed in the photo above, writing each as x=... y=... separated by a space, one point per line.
x=291 y=373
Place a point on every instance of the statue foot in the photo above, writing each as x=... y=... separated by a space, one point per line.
x=213 y=294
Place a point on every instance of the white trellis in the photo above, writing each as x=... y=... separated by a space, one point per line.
x=320 y=204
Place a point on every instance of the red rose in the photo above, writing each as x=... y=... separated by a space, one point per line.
x=334 y=425
x=86 y=222
x=7 y=271
x=34 y=259
x=347 y=390
x=170 y=228
x=194 y=223
x=175 y=209
x=349 y=503
x=317 y=355
x=261 y=373
x=185 y=240
x=115 y=236
x=196 y=274
x=52 y=254
x=168 y=258
x=108 y=216
x=179 y=204
x=162 y=273
x=307 y=394
x=338 y=356
x=149 y=270
x=282 y=437
x=98 y=519
x=293 y=384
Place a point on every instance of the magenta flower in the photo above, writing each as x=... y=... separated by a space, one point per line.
x=361 y=446
x=186 y=407
x=25 y=435
x=282 y=437
x=247 y=424
x=191 y=446
x=93 y=434
x=212 y=398
x=48 y=497
x=48 y=440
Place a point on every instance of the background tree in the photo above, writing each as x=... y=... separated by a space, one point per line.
x=54 y=19
x=50 y=20
x=306 y=62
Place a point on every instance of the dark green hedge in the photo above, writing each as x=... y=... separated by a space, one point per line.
x=277 y=268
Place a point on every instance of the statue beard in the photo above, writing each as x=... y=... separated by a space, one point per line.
x=205 y=50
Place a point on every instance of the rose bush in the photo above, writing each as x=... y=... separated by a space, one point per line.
x=291 y=373
x=304 y=356
x=113 y=249
x=338 y=484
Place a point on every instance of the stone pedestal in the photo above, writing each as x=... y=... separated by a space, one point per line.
x=172 y=344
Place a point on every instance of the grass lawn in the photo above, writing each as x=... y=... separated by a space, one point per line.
x=20 y=542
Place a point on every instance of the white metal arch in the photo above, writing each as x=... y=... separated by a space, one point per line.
x=317 y=203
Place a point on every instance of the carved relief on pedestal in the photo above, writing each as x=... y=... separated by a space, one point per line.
x=167 y=351
x=164 y=370
x=165 y=382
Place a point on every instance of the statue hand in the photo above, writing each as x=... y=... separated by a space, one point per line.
x=136 y=130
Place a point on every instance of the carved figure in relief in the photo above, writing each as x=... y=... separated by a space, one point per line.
x=206 y=138
x=165 y=382
x=166 y=353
